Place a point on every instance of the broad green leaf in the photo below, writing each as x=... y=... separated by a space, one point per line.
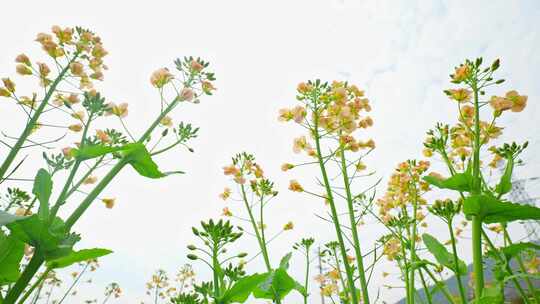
x=459 y=182
x=11 y=253
x=93 y=151
x=77 y=256
x=285 y=260
x=241 y=290
x=33 y=231
x=277 y=284
x=442 y=255
x=492 y=210
x=7 y=218
x=141 y=160
x=42 y=190
x=505 y=185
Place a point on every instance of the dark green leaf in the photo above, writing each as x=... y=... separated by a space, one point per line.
x=459 y=182
x=442 y=255
x=77 y=256
x=42 y=190
x=492 y=210
x=11 y=253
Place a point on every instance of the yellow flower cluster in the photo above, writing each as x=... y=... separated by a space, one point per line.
x=404 y=188
x=83 y=51
x=244 y=170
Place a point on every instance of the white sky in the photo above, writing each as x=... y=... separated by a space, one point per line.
x=400 y=52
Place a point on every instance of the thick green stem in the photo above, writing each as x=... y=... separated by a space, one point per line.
x=27 y=275
x=335 y=218
x=33 y=121
x=354 y=228
x=478 y=266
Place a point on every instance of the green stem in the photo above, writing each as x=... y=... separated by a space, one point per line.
x=306 y=282
x=462 y=293
x=412 y=241
x=262 y=245
x=216 y=268
x=354 y=228
x=32 y=267
x=426 y=289
x=260 y=236
x=478 y=266
x=33 y=121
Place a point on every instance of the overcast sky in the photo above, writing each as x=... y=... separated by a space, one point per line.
x=400 y=52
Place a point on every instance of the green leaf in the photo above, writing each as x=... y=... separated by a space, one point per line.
x=42 y=190
x=285 y=260
x=77 y=256
x=241 y=290
x=442 y=255
x=492 y=210
x=505 y=185
x=92 y=151
x=141 y=160
x=38 y=233
x=276 y=285
x=7 y=218
x=460 y=182
x=11 y=253
x=513 y=250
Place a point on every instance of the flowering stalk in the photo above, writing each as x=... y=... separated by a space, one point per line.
x=354 y=227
